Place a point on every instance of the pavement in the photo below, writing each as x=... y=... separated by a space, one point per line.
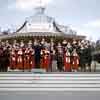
x=50 y=96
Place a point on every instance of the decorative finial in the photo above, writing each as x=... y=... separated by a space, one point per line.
x=40 y=9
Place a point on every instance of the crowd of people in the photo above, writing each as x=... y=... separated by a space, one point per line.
x=62 y=56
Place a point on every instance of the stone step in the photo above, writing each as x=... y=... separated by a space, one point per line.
x=49 y=86
x=50 y=75
x=50 y=78
x=50 y=89
x=49 y=82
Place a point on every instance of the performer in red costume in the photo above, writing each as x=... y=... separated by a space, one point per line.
x=75 y=60
x=31 y=55
x=67 y=61
x=14 y=55
x=13 y=59
x=26 y=59
x=45 y=61
x=20 y=59
x=42 y=57
x=31 y=60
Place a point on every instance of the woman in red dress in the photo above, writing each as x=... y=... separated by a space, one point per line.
x=26 y=58
x=42 y=57
x=13 y=59
x=31 y=59
x=45 y=61
x=67 y=61
x=20 y=59
x=75 y=60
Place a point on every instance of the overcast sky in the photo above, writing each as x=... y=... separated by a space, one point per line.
x=80 y=15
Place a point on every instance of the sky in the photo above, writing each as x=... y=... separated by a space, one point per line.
x=82 y=16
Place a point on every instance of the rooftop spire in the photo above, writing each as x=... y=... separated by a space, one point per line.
x=40 y=9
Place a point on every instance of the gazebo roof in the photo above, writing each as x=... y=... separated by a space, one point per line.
x=40 y=22
x=41 y=25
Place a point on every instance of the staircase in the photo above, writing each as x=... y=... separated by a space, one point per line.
x=49 y=82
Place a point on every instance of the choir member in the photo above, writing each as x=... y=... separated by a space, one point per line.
x=31 y=60
x=13 y=59
x=27 y=59
x=59 y=55
x=52 y=54
x=20 y=64
x=45 y=61
x=67 y=61
x=37 y=53
x=75 y=60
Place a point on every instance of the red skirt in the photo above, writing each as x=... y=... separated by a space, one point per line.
x=20 y=64
x=45 y=63
x=13 y=62
x=75 y=63
x=26 y=62
x=31 y=62
x=67 y=64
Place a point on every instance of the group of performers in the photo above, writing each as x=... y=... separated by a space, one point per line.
x=41 y=54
